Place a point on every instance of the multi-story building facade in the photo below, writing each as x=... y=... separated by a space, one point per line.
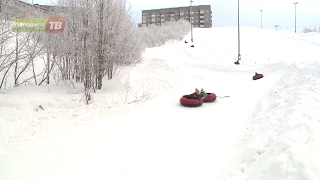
x=198 y=16
x=11 y=9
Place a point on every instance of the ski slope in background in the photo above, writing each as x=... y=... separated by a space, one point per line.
x=135 y=127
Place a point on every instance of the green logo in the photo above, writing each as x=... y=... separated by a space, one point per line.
x=29 y=25
x=51 y=25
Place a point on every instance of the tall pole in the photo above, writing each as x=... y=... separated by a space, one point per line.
x=191 y=19
x=239 y=56
x=261 y=18
x=295 y=17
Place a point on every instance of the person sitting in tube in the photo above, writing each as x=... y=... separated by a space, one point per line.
x=203 y=93
x=196 y=94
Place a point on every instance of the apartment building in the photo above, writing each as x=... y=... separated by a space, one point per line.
x=199 y=16
x=11 y=9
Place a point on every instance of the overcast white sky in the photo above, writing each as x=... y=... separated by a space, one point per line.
x=225 y=12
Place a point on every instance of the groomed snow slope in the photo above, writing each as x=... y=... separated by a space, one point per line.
x=135 y=127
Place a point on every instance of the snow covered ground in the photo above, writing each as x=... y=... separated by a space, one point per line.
x=135 y=128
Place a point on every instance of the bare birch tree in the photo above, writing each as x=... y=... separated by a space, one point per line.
x=5 y=52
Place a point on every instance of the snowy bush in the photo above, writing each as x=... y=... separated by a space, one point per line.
x=307 y=30
x=158 y=35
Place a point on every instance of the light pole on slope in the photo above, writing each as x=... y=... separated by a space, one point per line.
x=261 y=18
x=295 y=16
x=239 y=55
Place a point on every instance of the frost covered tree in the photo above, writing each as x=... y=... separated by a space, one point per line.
x=26 y=48
x=116 y=38
x=32 y=49
x=17 y=55
x=101 y=36
x=17 y=51
x=5 y=51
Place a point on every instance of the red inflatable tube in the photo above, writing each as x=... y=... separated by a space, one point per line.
x=257 y=77
x=210 y=97
x=190 y=102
